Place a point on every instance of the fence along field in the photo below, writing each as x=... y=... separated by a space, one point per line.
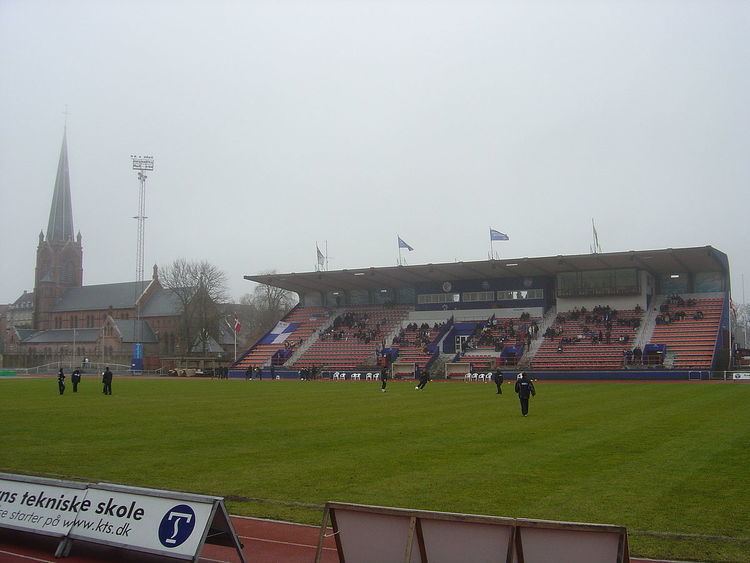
x=669 y=461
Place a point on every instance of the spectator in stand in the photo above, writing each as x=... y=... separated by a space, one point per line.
x=698 y=315
x=637 y=355
x=627 y=356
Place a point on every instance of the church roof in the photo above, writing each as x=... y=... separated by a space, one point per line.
x=60 y=335
x=128 y=330
x=60 y=226
x=24 y=334
x=99 y=297
x=161 y=303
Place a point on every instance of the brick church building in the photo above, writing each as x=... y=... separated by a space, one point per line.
x=72 y=321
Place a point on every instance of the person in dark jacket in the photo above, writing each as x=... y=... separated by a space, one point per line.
x=497 y=377
x=61 y=381
x=107 y=381
x=75 y=379
x=424 y=377
x=525 y=389
x=383 y=378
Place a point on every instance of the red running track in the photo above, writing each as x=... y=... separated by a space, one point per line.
x=265 y=541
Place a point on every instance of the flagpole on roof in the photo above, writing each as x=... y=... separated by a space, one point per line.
x=326 y=255
x=398 y=243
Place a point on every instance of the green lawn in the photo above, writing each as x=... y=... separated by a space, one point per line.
x=671 y=458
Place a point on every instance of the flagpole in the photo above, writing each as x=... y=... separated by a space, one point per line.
x=326 y=255
x=399 y=251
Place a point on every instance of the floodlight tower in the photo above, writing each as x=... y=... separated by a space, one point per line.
x=142 y=164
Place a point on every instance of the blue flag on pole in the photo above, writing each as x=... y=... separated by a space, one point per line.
x=497 y=235
x=402 y=244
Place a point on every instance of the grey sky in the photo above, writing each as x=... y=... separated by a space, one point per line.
x=276 y=124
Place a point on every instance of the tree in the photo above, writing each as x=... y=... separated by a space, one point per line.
x=740 y=325
x=265 y=306
x=200 y=288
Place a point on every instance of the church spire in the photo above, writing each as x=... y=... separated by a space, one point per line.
x=60 y=226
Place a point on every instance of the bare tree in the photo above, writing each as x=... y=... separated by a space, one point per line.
x=740 y=322
x=200 y=288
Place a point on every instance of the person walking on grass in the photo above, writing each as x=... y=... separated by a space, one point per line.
x=525 y=389
x=497 y=377
x=107 y=381
x=61 y=381
x=424 y=377
x=75 y=379
x=383 y=378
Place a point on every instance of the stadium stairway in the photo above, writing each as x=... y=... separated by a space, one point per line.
x=308 y=319
x=313 y=338
x=351 y=352
x=547 y=321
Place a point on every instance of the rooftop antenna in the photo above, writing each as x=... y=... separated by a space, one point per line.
x=142 y=164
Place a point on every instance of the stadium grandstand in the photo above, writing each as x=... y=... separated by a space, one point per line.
x=650 y=313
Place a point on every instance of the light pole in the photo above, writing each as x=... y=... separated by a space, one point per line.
x=74 y=346
x=141 y=164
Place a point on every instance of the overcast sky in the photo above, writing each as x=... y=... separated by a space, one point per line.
x=276 y=124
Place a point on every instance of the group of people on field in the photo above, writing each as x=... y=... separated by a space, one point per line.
x=75 y=379
x=524 y=386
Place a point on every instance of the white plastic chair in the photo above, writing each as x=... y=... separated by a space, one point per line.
x=336 y=375
x=368 y=376
x=467 y=377
x=481 y=377
x=376 y=376
x=475 y=377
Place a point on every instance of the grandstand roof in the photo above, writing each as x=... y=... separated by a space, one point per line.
x=658 y=262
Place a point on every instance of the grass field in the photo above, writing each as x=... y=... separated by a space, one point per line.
x=664 y=458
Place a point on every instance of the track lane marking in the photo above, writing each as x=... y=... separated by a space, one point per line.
x=26 y=557
x=286 y=543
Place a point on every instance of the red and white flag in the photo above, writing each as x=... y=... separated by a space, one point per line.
x=237 y=324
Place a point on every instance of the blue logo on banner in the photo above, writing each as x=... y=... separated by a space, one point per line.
x=176 y=526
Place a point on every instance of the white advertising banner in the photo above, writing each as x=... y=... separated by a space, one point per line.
x=167 y=523
x=742 y=376
x=138 y=519
x=45 y=506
